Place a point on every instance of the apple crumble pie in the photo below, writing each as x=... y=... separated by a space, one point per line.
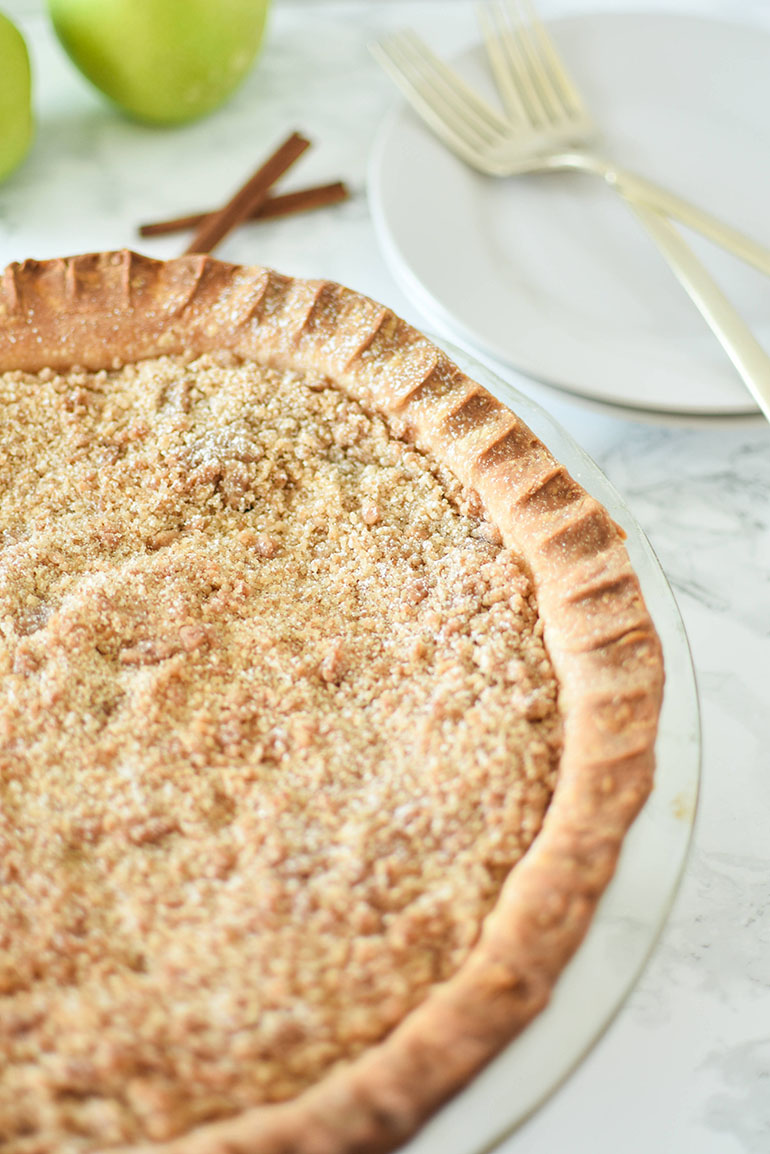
x=327 y=699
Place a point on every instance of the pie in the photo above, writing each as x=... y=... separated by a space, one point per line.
x=328 y=699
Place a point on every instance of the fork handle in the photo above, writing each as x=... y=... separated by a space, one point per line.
x=631 y=185
x=740 y=344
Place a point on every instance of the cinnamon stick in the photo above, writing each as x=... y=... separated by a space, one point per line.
x=303 y=200
x=247 y=199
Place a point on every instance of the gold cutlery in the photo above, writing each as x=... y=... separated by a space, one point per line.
x=547 y=127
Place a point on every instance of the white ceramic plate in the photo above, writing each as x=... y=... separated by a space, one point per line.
x=635 y=905
x=551 y=273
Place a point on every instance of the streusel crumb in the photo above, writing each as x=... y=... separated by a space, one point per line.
x=276 y=721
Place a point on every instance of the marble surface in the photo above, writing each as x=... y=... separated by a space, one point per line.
x=685 y=1067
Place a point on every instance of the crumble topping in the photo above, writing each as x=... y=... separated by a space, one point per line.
x=276 y=721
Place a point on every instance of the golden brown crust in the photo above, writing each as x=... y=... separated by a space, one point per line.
x=101 y=310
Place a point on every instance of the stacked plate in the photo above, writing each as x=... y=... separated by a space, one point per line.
x=551 y=274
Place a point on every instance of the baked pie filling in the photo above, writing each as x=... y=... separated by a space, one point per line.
x=305 y=802
x=277 y=719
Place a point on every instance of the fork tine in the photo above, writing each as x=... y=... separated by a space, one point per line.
x=438 y=83
x=463 y=99
x=567 y=94
x=499 y=53
x=432 y=108
x=522 y=13
x=438 y=96
x=536 y=73
x=516 y=65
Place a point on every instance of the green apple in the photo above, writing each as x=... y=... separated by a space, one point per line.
x=162 y=61
x=16 y=125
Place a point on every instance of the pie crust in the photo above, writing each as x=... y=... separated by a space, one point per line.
x=100 y=311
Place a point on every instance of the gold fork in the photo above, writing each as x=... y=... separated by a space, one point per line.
x=525 y=62
x=552 y=131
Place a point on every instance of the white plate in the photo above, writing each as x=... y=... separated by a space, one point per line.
x=636 y=903
x=551 y=273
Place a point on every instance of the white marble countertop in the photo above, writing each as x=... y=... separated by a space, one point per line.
x=685 y=1067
